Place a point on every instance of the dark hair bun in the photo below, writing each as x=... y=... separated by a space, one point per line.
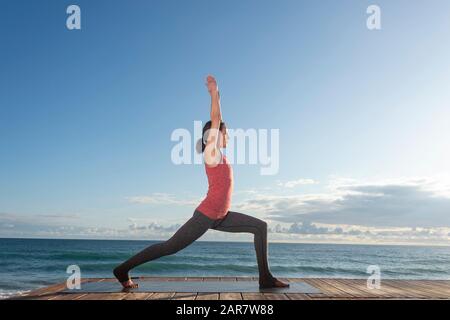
x=201 y=143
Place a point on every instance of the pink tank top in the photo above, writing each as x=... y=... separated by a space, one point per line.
x=218 y=199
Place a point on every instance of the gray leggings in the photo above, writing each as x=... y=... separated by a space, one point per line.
x=193 y=229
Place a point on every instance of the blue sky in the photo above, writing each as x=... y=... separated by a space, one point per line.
x=86 y=116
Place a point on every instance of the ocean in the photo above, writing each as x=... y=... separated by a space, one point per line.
x=27 y=264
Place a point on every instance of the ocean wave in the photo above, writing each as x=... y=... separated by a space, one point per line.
x=6 y=294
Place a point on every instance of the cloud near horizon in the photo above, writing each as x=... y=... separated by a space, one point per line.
x=140 y=229
x=294 y=183
x=408 y=203
x=158 y=198
x=398 y=211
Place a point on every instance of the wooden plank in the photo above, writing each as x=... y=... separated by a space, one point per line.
x=207 y=296
x=359 y=289
x=434 y=285
x=298 y=296
x=349 y=290
x=69 y=296
x=275 y=296
x=162 y=296
x=103 y=296
x=361 y=284
x=419 y=289
x=445 y=283
x=403 y=290
x=230 y=296
x=396 y=292
x=326 y=289
x=184 y=296
x=324 y=297
x=45 y=290
x=252 y=296
x=390 y=290
x=310 y=281
x=53 y=289
x=138 y=295
x=45 y=297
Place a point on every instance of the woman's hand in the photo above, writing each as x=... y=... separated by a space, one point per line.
x=212 y=86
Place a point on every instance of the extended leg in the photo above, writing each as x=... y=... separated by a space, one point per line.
x=193 y=229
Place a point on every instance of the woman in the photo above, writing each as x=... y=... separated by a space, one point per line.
x=213 y=212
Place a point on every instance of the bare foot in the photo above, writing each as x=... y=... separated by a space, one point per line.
x=274 y=283
x=124 y=279
x=129 y=284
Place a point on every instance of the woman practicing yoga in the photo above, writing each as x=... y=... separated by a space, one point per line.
x=213 y=212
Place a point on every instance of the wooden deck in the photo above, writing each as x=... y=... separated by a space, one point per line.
x=332 y=289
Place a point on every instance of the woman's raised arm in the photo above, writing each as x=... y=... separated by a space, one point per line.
x=212 y=151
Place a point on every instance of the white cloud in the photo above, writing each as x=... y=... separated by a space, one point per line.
x=393 y=203
x=162 y=199
x=146 y=229
x=396 y=211
x=38 y=219
x=307 y=231
x=294 y=183
x=151 y=226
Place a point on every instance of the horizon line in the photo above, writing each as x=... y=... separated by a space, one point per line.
x=238 y=241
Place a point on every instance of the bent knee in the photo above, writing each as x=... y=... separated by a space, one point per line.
x=262 y=226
